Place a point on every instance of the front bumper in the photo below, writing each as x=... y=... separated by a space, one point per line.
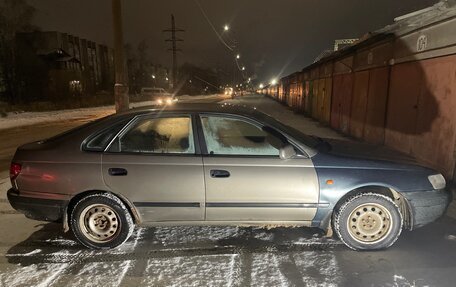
x=42 y=209
x=427 y=206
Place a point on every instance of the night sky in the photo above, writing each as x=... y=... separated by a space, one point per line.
x=276 y=37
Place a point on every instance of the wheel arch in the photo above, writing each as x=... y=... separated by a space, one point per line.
x=69 y=207
x=389 y=191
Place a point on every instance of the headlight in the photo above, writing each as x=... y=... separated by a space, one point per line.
x=437 y=181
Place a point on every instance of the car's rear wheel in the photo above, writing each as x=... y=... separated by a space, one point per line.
x=101 y=221
x=368 y=221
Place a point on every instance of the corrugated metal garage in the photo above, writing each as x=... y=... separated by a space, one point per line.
x=397 y=86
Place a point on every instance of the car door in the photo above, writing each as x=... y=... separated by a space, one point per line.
x=246 y=180
x=155 y=163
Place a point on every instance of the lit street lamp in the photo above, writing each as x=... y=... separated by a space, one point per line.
x=243 y=68
x=261 y=86
x=153 y=76
x=238 y=56
x=273 y=82
x=226 y=28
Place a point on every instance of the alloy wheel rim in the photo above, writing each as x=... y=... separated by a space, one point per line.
x=99 y=223
x=369 y=223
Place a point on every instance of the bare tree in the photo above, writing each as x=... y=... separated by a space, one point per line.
x=15 y=16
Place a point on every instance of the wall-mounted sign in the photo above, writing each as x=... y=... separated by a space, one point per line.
x=421 y=43
x=370 y=58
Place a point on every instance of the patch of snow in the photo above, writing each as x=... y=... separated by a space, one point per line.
x=262 y=234
x=194 y=234
x=104 y=274
x=62 y=242
x=265 y=271
x=15 y=119
x=207 y=270
x=451 y=237
x=131 y=244
x=30 y=118
x=234 y=277
x=401 y=281
x=64 y=255
x=32 y=275
x=36 y=251
x=314 y=241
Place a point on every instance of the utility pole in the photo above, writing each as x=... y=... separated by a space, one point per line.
x=121 y=85
x=173 y=30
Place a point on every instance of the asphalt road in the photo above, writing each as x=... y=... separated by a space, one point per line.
x=39 y=254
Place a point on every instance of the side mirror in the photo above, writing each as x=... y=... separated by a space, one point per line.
x=287 y=152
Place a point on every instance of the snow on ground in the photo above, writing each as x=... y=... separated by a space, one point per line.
x=17 y=119
x=38 y=275
x=207 y=270
x=106 y=274
x=188 y=234
x=30 y=118
x=175 y=256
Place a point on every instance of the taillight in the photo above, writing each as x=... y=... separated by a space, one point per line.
x=15 y=170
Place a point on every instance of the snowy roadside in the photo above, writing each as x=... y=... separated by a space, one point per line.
x=17 y=119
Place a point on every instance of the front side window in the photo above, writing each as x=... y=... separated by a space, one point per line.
x=159 y=135
x=230 y=136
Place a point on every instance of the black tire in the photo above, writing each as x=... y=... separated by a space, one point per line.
x=368 y=221
x=101 y=221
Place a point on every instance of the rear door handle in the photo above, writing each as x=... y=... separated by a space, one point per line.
x=115 y=171
x=220 y=173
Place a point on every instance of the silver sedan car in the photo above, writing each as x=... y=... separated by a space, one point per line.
x=216 y=165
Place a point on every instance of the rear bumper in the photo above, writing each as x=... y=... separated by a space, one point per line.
x=427 y=206
x=42 y=209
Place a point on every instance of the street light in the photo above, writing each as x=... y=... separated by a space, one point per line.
x=243 y=68
x=153 y=76
x=238 y=56
x=261 y=86
x=273 y=82
x=226 y=28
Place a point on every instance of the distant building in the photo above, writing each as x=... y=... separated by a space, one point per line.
x=343 y=43
x=58 y=66
x=338 y=45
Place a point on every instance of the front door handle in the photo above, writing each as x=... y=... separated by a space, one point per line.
x=115 y=171
x=220 y=173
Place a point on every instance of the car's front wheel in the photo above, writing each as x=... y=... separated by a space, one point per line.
x=368 y=221
x=101 y=221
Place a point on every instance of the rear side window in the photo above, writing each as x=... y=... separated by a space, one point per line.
x=98 y=142
x=171 y=135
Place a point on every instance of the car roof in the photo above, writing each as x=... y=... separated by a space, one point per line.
x=196 y=107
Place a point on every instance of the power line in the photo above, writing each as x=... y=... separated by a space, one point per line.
x=204 y=81
x=212 y=26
